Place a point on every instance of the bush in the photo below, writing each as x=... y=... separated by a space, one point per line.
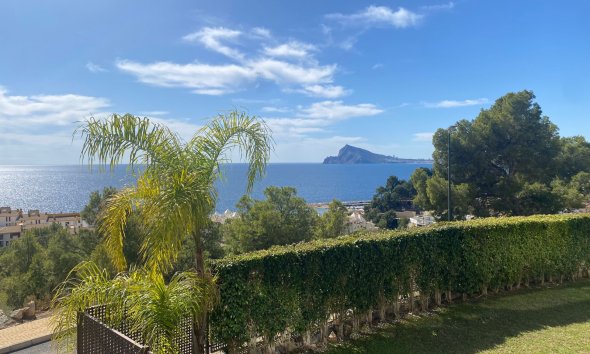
x=299 y=287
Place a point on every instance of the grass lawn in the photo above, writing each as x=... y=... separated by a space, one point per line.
x=554 y=319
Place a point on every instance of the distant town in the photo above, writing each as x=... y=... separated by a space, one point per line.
x=13 y=222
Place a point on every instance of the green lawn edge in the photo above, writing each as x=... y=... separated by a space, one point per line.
x=549 y=319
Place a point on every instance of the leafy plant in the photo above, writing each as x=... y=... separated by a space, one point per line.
x=142 y=299
x=300 y=286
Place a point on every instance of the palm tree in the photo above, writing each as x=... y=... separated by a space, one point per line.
x=139 y=298
x=175 y=191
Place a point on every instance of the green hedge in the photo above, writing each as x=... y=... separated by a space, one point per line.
x=298 y=287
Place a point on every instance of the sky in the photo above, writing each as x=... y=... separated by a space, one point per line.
x=378 y=75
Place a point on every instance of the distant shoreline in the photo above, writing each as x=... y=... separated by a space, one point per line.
x=67 y=188
x=96 y=166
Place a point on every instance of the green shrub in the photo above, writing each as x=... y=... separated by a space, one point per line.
x=298 y=287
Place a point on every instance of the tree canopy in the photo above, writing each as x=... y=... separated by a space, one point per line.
x=333 y=222
x=282 y=218
x=34 y=264
x=509 y=160
x=95 y=204
x=395 y=195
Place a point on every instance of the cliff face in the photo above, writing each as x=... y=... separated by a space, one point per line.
x=354 y=155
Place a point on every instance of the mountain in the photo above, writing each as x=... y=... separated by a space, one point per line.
x=353 y=155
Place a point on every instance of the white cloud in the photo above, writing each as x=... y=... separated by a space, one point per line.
x=291 y=49
x=336 y=110
x=272 y=101
x=271 y=109
x=313 y=149
x=219 y=79
x=43 y=139
x=453 y=104
x=95 y=68
x=288 y=73
x=211 y=38
x=348 y=43
x=316 y=117
x=325 y=91
x=290 y=65
x=203 y=78
x=377 y=66
x=446 y=6
x=293 y=128
x=184 y=128
x=47 y=109
x=38 y=128
x=379 y=15
x=154 y=113
x=261 y=32
x=427 y=136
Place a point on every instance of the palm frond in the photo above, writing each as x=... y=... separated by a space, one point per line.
x=108 y=141
x=112 y=221
x=87 y=285
x=140 y=297
x=249 y=134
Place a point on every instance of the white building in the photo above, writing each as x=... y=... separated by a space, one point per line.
x=421 y=220
x=9 y=233
x=33 y=217
x=356 y=221
x=221 y=218
x=8 y=216
x=14 y=222
x=69 y=221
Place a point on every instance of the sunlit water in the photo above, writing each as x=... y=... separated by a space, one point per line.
x=66 y=188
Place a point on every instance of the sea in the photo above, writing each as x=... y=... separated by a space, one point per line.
x=57 y=189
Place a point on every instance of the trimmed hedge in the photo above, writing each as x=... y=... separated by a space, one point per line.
x=297 y=288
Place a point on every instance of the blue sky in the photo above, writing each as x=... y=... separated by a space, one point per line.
x=379 y=75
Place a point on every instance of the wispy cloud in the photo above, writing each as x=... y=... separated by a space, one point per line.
x=201 y=78
x=337 y=110
x=453 y=104
x=47 y=109
x=435 y=7
x=377 y=66
x=183 y=127
x=249 y=101
x=325 y=91
x=316 y=117
x=300 y=149
x=290 y=65
x=348 y=43
x=272 y=109
x=220 y=79
x=291 y=49
x=212 y=38
x=379 y=16
x=427 y=136
x=261 y=32
x=154 y=113
x=95 y=68
x=37 y=128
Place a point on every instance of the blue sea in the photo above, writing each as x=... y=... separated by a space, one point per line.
x=66 y=188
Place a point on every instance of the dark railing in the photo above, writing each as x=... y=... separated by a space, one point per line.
x=95 y=337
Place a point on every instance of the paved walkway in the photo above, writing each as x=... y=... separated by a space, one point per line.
x=43 y=348
x=24 y=335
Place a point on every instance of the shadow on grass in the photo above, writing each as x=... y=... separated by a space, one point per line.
x=481 y=324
